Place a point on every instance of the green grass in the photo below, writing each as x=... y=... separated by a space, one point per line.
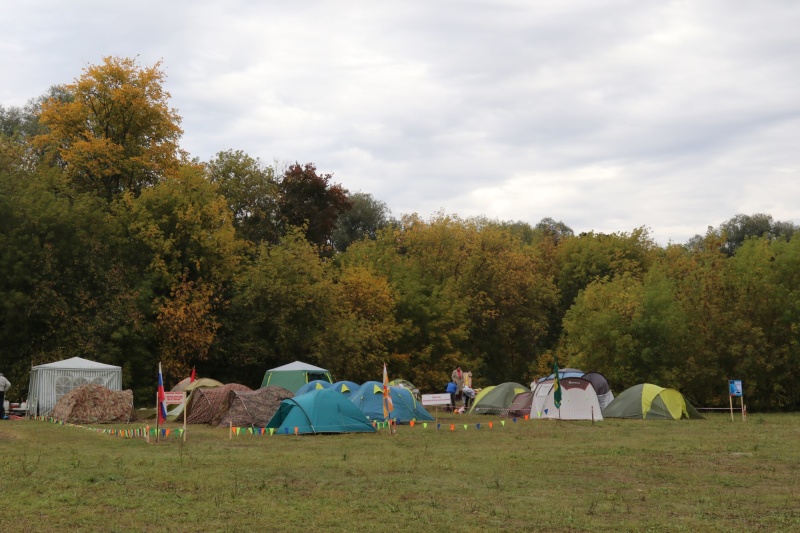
x=617 y=475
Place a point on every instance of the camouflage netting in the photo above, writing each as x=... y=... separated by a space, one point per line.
x=92 y=404
x=206 y=402
x=253 y=409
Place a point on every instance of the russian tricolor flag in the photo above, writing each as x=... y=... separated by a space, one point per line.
x=162 y=399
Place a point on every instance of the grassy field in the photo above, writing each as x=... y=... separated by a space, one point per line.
x=617 y=475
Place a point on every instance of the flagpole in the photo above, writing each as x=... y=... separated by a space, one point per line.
x=158 y=406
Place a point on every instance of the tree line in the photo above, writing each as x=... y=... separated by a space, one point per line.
x=118 y=246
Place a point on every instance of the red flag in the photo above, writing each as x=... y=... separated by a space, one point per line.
x=388 y=406
x=162 y=399
x=191 y=379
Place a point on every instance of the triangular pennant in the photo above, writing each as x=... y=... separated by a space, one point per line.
x=527 y=417
x=503 y=422
x=271 y=431
x=424 y=425
x=465 y=426
x=491 y=425
x=411 y=423
x=452 y=427
x=514 y=419
x=478 y=426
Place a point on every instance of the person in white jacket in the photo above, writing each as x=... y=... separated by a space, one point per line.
x=4 y=385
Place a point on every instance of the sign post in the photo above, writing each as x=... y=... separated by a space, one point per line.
x=178 y=398
x=735 y=389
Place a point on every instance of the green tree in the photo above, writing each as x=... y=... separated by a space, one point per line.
x=363 y=220
x=64 y=291
x=252 y=193
x=181 y=244
x=283 y=303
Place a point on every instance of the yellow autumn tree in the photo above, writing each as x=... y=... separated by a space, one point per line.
x=112 y=129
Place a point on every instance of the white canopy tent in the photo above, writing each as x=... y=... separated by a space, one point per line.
x=51 y=381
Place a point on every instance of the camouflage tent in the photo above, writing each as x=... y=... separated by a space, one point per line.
x=251 y=408
x=93 y=404
x=204 y=403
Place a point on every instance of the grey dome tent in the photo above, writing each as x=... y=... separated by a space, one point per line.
x=601 y=387
x=50 y=381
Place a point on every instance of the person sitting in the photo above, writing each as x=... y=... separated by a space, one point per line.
x=452 y=388
x=469 y=396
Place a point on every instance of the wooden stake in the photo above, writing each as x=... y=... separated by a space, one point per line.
x=184 y=416
x=731 y=399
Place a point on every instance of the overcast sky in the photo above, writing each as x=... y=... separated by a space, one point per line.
x=606 y=115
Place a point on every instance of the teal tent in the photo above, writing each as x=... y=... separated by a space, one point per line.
x=313 y=385
x=295 y=375
x=345 y=387
x=319 y=411
x=498 y=400
x=369 y=398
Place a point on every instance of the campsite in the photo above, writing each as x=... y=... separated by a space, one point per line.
x=534 y=475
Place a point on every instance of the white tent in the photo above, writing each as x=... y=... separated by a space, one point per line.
x=51 y=381
x=578 y=401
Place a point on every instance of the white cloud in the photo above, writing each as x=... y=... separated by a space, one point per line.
x=606 y=115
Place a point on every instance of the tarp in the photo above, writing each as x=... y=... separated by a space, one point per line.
x=578 y=401
x=206 y=403
x=369 y=399
x=95 y=404
x=651 y=402
x=50 y=381
x=294 y=375
x=498 y=400
x=251 y=408
x=319 y=411
x=176 y=414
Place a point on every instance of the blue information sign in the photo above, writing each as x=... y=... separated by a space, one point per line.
x=735 y=386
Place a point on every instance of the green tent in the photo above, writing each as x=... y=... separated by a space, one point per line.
x=295 y=375
x=650 y=402
x=498 y=400
x=319 y=411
